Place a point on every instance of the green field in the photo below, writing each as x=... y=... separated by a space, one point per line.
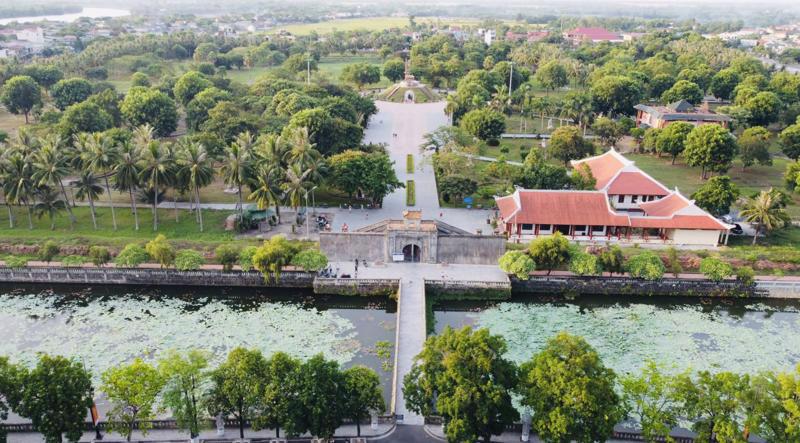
x=186 y=231
x=366 y=24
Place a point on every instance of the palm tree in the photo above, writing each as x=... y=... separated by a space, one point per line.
x=265 y=193
x=49 y=204
x=296 y=185
x=235 y=164
x=18 y=185
x=155 y=170
x=50 y=167
x=87 y=188
x=269 y=168
x=100 y=156
x=126 y=174
x=766 y=211
x=195 y=166
x=302 y=152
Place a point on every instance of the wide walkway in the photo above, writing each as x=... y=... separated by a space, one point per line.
x=411 y=317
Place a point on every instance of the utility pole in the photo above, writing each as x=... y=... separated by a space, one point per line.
x=308 y=71
x=510 y=78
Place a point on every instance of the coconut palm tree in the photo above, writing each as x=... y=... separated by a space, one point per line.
x=195 y=166
x=126 y=174
x=50 y=204
x=88 y=188
x=296 y=185
x=235 y=164
x=155 y=169
x=302 y=151
x=18 y=185
x=101 y=156
x=51 y=166
x=269 y=168
x=766 y=210
x=265 y=193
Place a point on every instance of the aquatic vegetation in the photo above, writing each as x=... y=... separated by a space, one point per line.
x=103 y=332
x=680 y=336
x=383 y=350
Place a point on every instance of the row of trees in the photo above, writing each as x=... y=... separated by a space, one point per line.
x=463 y=376
x=277 y=392
x=555 y=252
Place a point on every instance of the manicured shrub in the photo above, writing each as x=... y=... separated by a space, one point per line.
x=411 y=198
x=550 y=252
x=517 y=263
x=585 y=264
x=311 y=260
x=15 y=261
x=227 y=255
x=246 y=258
x=647 y=266
x=48 y=251
x=745 y=275
x=188 y=260
x=99 y=255
x=675 y=266
x=161 y=251
x=131 y=256
x=715 y=269
x=612 y=260
x=410 y=163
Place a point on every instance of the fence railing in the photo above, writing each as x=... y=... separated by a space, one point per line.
x=599 y=285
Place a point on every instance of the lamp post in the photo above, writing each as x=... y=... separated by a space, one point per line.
x=308 y=70
x=308 y=235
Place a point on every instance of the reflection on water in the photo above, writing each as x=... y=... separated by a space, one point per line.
x=104 y=326
x=740 y=335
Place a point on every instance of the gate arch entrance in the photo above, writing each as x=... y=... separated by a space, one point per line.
x=411 y=253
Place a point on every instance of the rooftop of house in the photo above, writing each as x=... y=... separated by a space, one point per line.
x=593 y=33
x=680 y=111
x=616 y=175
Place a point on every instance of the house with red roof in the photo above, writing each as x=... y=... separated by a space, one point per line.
x=654 y=116
x=625 y=184
x=628 y=206
x=592 y=35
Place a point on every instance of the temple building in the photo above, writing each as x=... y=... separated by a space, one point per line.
x=648 y=116
x=627 y=206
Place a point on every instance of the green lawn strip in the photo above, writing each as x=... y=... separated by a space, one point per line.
x=687 y=179
x=411 y=198
x=410 y=163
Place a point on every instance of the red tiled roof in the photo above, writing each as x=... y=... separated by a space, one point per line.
x=679 y=222
x=604 y=167
x=664 y=207
x=635 y=183
x=594 y=33
x=562 y=207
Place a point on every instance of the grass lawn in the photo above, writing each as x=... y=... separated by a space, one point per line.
x=185 y=232
x=687 y=179
x=352 y=24
x=10 y=122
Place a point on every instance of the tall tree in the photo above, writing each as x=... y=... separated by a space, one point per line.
x=279 y=395
x=155 y=165
x=195 y=166
x=70 y=91
x=362 y=393
x=717 y=195
x=712 y=402
x=49 y=203
x=132 y=390
x=235 y=385
x=20 y=94
x=18 y=186
x=570 y=392
x=463 y=376
x=652 y=399
x=754 y=146
x=790 y=141
x=672 y=139
x=766 y=210
x=185 y=380
x=10 y=390
x=235 y=164
x=51 y=166
x=56 y=396
x=567 y=143
x=88 y=188
x=320 y=393
x=127 y=173
x=100 y=156
x=710 y=147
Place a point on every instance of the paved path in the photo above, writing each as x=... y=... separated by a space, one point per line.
x=411 y=321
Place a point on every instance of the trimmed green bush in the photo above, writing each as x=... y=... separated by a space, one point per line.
x=16 y=261
x=411 y=198
x=188 y=260
x=746 y=276
x=99 y=255
x=647 y=266
x=585 y=264
x=715 y=269
x=517 y=263
x=48 y=251
x=73 y=261
x=311 y=260
x=227 y=256
x=131 y=256
x=246 y=258
x=410 y=163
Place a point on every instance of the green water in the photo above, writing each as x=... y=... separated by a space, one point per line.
x=741 y=335
x=104 y=326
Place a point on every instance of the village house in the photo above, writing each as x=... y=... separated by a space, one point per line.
x=652 y=116
x=530 y=36
x=592 y=35
x=627 y=206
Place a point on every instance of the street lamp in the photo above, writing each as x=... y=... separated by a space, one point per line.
x=308 y=235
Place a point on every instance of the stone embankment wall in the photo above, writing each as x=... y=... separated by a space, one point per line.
x=360 y=287
x=471 y=250
x=346 y=247
x=552 y=285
